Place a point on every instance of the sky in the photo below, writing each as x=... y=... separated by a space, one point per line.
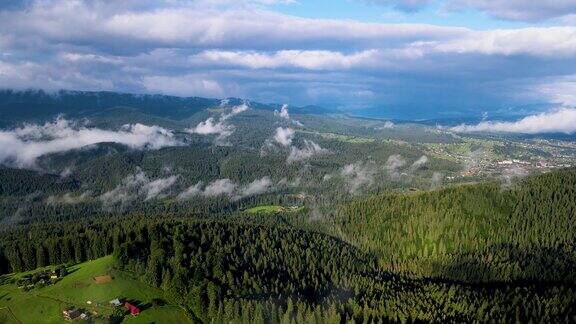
x=414 y=58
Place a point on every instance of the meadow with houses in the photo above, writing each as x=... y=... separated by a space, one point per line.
x=91 y=292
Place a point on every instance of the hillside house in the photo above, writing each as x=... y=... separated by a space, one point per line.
x=116 y=302
x=133 y=309
x=71 y=314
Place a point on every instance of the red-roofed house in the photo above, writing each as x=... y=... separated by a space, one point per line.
x=132 y=309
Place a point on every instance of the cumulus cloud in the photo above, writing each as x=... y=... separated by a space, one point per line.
x=518 y=9
x=558 y=121
x=546 y=42
x=169 y=27
x=235 y=48
x=22 y=146
x=137 y=187
x=226 y=187
x=308 y=150
x=309 y=60
x=358 y=175
x=218 y=127
x=284 y=136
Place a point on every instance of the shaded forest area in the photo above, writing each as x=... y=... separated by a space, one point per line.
x=469 y=253
x=231 y=271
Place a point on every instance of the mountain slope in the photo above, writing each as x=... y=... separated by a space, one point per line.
x=482 y=232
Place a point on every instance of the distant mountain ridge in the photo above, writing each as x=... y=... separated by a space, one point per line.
x=35 y=105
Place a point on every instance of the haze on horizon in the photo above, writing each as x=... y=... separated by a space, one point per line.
x=396 y=58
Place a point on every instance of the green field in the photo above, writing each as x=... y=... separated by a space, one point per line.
x=45 y=305
x=272 y=209
x=266 y=209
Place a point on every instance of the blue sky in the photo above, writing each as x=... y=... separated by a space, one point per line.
x=395 y=58
x=430 y=14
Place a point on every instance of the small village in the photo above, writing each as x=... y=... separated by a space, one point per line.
x=119 y=305
x=41 y=278
x=113 y=310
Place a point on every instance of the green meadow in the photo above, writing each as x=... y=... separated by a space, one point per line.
x=266 y=209
x=79 y=289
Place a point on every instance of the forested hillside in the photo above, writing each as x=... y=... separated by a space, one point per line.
x=253 y=213
x=411 y=257
x=38 y=105
x=483 y=232
x=224 y=271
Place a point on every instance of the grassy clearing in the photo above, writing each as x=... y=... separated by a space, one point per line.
x=265 y=209
x=272 y=209
x=343 y=138
x=45 y=305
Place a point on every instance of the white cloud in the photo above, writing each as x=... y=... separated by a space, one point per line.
x=558 y=121
x=210 y=126
x=535 y=41
x=308 y=150
x=284 y=136
x=169 y=27
x=192 y=191
x=235 y=111
x=155 y=188
x=520 y=10
x=220 y=127
x=436 y=181
x=509 y=175
x=237 y=48
x=396 y=167
x=22 y=146
x=418 y=164
x=46 y=75
x=187 y=85
x=393 y=165
x=220 y=187
x=474 y=158
x=387 y=125
x=562 y=92
x=517 y=10
x=137 y=186
x=358 y=175
x=69 y=199
x=256 y=187
x=226 y=187
x=311 y=60
x=283 y=113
